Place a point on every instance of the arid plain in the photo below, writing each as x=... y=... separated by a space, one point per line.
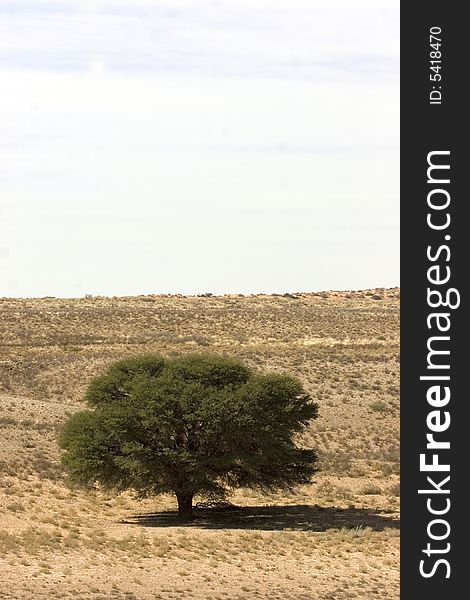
x=334 y=539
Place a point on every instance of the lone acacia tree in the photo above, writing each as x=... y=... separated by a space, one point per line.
x=198 y=424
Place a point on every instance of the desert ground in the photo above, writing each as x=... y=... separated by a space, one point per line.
x=334 y=539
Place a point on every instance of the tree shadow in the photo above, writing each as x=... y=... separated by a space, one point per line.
x=273 y=518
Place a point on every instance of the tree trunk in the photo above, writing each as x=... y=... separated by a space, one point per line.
x=185 y=505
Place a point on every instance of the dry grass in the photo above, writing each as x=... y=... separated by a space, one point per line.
x=334 y=539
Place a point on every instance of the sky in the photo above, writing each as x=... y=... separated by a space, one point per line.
x=223 y=146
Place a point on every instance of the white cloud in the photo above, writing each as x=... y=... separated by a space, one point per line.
x=250 y=147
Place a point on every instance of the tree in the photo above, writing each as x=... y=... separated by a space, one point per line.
x=197 y=424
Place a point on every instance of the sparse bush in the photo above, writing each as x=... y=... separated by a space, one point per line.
x=371 y=490
x=15 y=507
x=380 y=406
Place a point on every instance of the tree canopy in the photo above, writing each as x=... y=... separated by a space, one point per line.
x=196 y=424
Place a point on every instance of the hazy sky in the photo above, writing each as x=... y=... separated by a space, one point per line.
x=152 y=146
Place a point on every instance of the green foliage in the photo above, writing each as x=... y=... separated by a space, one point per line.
x=194 y=424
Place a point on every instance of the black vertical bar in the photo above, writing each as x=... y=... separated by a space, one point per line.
x=425 y=128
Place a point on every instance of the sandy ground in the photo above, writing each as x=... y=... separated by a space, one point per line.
x=336 y=538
